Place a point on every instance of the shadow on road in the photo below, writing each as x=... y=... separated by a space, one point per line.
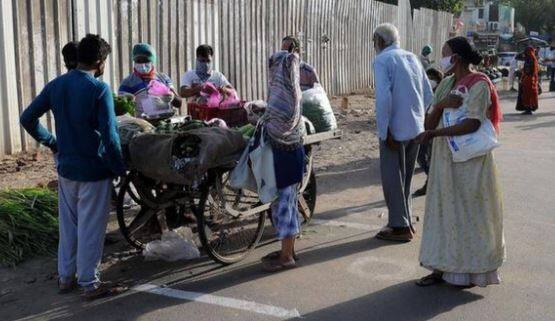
x=404 y=301
x=518 y=117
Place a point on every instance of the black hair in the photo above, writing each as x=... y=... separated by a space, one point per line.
x=295 y=43
x=205 y=51
x=435 y=74
x=462 y=47
x=92 y=48
x=69 y=52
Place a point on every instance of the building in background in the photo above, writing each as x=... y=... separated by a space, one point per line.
x=488 y=22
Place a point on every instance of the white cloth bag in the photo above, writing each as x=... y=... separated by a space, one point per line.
x=261 y=176
x=472 y=145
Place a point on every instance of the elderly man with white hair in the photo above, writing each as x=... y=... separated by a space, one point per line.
x=403 y=93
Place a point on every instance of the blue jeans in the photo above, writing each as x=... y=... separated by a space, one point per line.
x=84 y=208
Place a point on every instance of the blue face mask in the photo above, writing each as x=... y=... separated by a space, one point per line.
x=143 y=68
x=203 y=69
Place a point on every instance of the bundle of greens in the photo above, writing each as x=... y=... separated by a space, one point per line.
x=124 y=105
x=28 y=224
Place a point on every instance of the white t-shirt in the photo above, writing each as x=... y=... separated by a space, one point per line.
x=191 y=78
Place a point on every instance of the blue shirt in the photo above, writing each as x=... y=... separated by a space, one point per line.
x=403 y=93
x=86 y=139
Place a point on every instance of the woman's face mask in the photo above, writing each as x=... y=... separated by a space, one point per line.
x=446 y=64
x=203 y=67
x=143 y=68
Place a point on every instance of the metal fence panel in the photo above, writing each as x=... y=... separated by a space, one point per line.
x=336 y=38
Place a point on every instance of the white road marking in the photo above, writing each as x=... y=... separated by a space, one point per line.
x=357 y=226
x=219 y=300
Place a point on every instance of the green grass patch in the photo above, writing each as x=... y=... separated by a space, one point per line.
x=28 y=224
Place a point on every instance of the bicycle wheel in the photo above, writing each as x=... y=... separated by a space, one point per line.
x=307 y=203
x=227 y=238
x=137 y=222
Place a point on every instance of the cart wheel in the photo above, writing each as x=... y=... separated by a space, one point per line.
x=137 y=222
x=228 y=239
x=307 y=199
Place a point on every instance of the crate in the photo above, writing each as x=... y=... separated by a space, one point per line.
x=234 y=117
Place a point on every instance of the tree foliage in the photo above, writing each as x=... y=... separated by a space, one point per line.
x=534 y=15
x=453 y=6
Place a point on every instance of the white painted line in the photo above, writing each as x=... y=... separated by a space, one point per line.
x=219 y=300
x=357 y=226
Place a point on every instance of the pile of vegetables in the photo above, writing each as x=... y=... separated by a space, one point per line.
x=124 y=105
x=28 y=224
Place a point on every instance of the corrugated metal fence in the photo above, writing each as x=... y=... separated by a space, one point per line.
x=336 y=37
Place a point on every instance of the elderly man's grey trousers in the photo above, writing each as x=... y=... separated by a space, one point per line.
x=397 y=168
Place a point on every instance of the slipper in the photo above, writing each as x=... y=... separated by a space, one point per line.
x=390 y=235
x=275 y=255
x=432 y=279
x=273 y=266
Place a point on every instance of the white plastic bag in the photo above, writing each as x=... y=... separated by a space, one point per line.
x=472 y=145
x=172 y=247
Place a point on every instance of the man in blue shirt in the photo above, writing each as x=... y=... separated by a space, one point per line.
x=89 y=156
x=402 y=94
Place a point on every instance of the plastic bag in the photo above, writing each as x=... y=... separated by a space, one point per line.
x=317 y=108
x=214 y=99
x=472 y=145
x=172 y=247
x=156 y=88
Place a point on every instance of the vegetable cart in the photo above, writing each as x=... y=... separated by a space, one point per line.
x=229 y=222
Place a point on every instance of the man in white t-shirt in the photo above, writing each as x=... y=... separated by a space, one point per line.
x=192 y=80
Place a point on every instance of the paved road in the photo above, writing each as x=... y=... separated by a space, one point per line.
x=347 y=275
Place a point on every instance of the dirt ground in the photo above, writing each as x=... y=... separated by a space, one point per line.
x=357 y=145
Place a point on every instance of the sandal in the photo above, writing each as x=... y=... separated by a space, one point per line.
x=273 y=266
x=275 y=255
x=432 y=279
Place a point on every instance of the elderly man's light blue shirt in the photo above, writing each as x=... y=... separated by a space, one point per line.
x=403 y=93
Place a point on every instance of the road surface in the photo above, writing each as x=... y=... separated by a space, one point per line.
x=344 y=273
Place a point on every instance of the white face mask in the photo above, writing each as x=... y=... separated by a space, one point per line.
x=433 y=83
x=446 y=64
x=143 y=68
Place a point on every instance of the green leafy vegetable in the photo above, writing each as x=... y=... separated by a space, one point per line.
x=124 y=105
x=28 y=224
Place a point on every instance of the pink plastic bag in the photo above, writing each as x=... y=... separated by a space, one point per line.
x=214 y=99
x=157 y=88
x=212 y=95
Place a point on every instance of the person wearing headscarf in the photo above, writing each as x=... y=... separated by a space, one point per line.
x=282 y=128
x=308 y=76
x=527 y=100
x=192 y=82
x=462 y=239
x=145 y=76
x=425 y=57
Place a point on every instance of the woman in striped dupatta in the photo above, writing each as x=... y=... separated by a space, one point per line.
x=282 y=127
